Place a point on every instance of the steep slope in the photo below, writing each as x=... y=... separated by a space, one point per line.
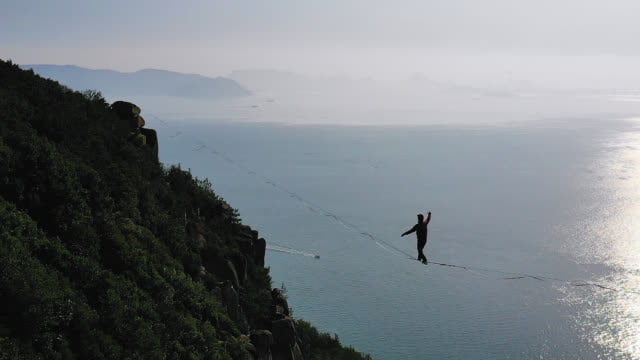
x=106 y=254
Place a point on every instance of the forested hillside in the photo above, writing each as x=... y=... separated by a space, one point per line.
x=105 y=253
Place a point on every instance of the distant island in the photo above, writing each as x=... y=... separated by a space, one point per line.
x=147 y=82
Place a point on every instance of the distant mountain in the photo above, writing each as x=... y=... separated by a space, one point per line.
x=149 y=82
x=267 y=80
x=275 y=82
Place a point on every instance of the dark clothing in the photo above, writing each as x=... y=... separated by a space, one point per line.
x=420 y=229
x=421 y=244
x=421 y=233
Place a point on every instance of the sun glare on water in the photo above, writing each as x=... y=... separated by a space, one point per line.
x=609 y=242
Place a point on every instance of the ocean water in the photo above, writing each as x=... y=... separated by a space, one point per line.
x=544 y=216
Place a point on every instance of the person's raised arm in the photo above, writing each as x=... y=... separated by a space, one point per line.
x=428 y=217
x=410 y=230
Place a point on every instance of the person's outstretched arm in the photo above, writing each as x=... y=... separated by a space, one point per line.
x=428 y=217
x=410 y=231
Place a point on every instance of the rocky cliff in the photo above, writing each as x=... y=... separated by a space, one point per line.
x=105 y=253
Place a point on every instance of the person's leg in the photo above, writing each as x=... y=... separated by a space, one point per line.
x=421 y=256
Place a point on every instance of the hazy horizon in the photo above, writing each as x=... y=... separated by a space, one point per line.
x=572 y=44
x=290 y=98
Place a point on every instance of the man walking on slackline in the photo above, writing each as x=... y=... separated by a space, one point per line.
x=421 y=233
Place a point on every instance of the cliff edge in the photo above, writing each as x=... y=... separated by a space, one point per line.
x=107 y=254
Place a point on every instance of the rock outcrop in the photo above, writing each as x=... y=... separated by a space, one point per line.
x=130 y=113
x=259 y=249
x=262 y=341
x=279 y=341
x=285 y=345
x=281 y=306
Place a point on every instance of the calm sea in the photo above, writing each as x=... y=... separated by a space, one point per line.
x=543 y=216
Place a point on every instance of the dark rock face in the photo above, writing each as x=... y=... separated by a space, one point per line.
x=130 y=113
x=231 y=299
x=249 y=346
x=285 y=346
x=259 y=248
x=245 y=240
x=262 y=341
x=3 y=330
x=222 y=269
x=252 y=246
x=297 y=353
x=232 y=274
x=280 y=302
x=239 y=265
x=284 y=332
x=151 y=139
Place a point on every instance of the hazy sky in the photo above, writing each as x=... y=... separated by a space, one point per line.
x=576 y=38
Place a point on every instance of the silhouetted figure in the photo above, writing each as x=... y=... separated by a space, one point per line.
x=421 y=233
